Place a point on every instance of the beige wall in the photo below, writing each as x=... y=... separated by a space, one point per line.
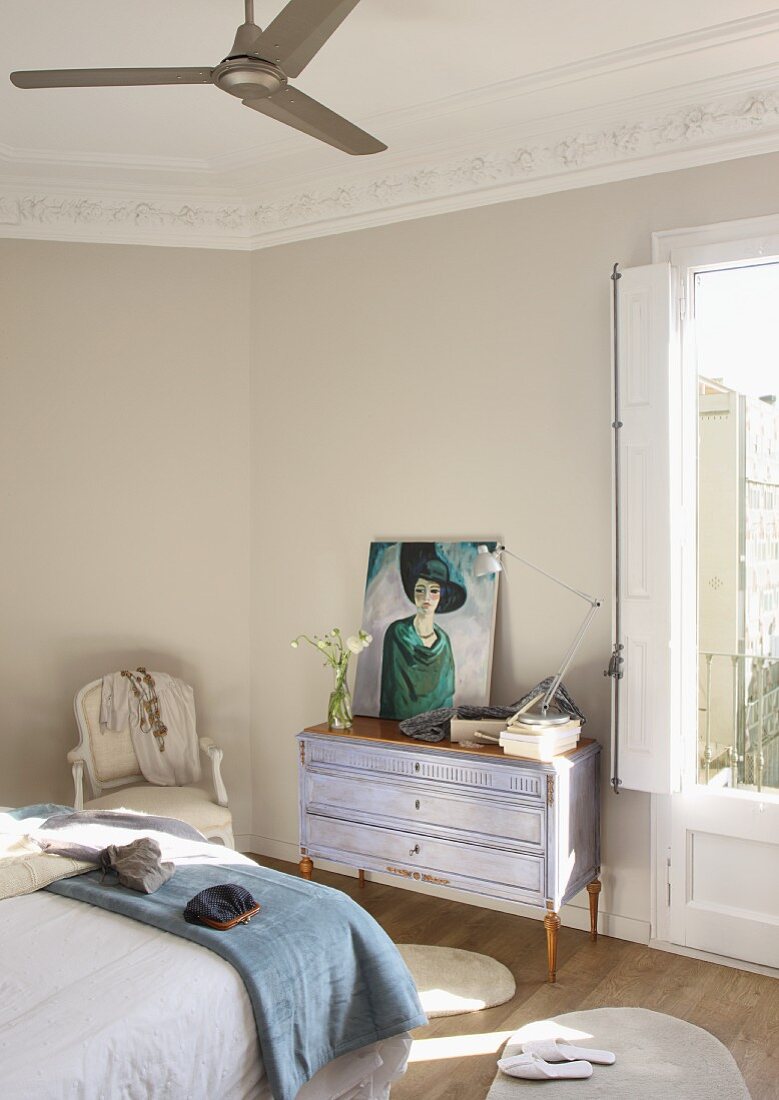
x=383 y=363
x=124 y=490
x=392 y=359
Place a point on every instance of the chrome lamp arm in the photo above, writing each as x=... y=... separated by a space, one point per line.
x=490 y=562
x=577 y=641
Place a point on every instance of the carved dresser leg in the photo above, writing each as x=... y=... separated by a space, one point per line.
x=361 y=878
x=552 y=926
x=306 y=867
x=593 y=889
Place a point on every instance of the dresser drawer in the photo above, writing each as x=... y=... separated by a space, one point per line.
x=426 y=808
x=471 y=867
x=439 y=769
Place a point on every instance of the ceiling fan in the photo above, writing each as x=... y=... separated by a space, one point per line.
x=256 y=70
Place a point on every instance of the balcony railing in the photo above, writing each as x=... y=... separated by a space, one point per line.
x=748 y=756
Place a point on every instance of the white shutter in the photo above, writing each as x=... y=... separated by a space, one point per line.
x=651 y=558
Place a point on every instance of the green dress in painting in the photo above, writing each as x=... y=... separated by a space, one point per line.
x=414 y=677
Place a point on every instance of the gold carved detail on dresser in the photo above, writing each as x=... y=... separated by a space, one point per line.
x=416 y=875
x=550 y=790
x=400 y=871
x=302 y=752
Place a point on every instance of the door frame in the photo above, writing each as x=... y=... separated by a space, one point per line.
x=722 y=244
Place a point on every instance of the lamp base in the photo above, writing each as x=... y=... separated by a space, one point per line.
x=536 y=717
x=532 y=714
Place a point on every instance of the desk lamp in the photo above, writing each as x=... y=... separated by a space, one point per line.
x=535 y=714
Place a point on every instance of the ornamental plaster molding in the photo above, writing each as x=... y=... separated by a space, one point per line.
x=607 y=145
x=81 y=213
x=549 y=159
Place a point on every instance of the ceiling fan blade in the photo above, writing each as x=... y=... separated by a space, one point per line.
x=300 y=30
x=296 y=109
x=108 y=78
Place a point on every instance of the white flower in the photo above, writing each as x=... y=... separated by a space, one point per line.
x=335 y=649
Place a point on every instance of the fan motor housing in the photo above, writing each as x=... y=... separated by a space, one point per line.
x=248 y=77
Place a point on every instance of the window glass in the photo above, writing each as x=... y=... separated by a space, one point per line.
x=736 y=317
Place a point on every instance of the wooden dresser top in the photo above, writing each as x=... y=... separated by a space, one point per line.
x=386 y=732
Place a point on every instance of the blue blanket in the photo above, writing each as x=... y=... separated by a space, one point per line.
x=323 y=977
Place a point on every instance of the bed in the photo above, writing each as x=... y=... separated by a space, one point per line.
x=96 y=1005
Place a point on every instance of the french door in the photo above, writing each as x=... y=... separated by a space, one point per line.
x=700 y=658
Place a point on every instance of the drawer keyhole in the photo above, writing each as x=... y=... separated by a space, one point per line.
x=417 y=767
x=414 y=851
x=416 y=804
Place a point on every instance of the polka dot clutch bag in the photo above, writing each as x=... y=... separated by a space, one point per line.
x=221 y=907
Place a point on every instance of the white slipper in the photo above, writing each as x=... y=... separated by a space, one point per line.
x=532 y=1068
x=558 y=1050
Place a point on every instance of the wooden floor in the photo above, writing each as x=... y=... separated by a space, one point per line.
x=740 y=1008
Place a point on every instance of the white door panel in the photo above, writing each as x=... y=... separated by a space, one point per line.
x=725 y=874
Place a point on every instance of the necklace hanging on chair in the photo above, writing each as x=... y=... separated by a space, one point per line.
x=145 y=690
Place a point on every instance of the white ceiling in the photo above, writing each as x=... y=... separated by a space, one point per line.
x=439 y=81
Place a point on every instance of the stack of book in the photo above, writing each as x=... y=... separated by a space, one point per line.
x=539 y=742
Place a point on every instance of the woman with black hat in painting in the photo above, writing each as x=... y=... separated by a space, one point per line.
x=417 y=668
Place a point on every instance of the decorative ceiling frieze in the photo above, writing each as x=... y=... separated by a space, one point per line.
x=736 y=117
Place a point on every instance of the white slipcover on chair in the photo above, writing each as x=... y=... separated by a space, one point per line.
x=111 y=762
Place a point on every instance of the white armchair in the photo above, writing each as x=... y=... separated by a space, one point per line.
x=111 y=764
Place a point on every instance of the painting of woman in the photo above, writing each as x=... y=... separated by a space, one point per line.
x=417 y=668
x=420 y=664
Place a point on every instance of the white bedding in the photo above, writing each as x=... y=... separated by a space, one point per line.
x=95 y=1006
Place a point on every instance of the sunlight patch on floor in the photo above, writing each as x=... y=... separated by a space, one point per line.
x=549 y=1029
x=443 y=1000
x=457 y=1046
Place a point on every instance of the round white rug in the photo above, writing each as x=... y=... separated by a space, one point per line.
x=451 y=981
x=658 y=1058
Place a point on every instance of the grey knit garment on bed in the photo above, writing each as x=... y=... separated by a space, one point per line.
x=137 y=865
x=433 y=725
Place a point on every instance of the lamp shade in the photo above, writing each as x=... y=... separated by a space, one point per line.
x=486 y=561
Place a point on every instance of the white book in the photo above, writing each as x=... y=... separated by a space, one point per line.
x=550 y=735
x=463 y=729
x=517 y=726
x=538 y=752
x=550 y=738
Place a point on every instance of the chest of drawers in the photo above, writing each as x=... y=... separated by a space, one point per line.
x=471 y=819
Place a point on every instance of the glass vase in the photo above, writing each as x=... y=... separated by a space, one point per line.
x=339 y=707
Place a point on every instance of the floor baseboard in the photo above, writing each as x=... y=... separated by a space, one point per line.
x=707 y=956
